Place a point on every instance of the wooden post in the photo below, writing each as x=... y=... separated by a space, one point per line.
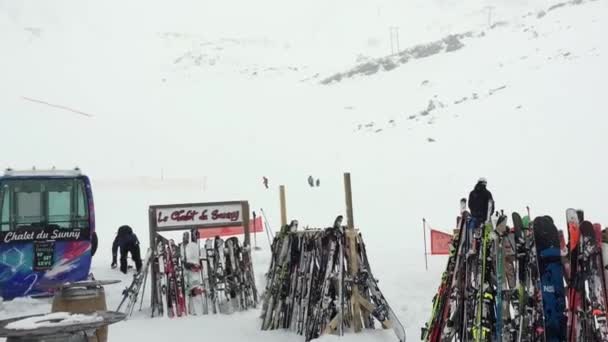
x=349 y=201
x=351 y=238
x=152 y=232
x=245 y=206
x=357 y=301
x=283 y=206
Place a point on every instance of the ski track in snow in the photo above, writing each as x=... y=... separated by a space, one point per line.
x=212 y=115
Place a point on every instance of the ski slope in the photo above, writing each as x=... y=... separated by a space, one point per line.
x=194 y=101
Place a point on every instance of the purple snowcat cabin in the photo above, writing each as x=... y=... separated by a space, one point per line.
x=47 y=226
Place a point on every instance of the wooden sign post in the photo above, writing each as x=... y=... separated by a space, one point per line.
x=353 y=257
x=357 y=301
x=283 y=206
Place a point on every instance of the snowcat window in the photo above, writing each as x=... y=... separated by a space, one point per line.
x=59 y=208
x=82 y=205
x=5 y=226
x=28 y=208
x=35 y=203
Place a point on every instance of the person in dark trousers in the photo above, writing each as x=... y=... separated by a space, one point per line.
x=127 y=242
x=478 y=201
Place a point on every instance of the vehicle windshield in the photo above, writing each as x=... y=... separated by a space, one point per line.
x=33 y=203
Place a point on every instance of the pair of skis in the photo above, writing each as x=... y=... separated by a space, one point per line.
x=587 y=296
x=173 y=286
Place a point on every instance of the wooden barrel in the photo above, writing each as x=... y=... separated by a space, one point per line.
x=82 y=300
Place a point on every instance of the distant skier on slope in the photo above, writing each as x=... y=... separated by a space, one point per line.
x=311 y=181
x=127 y=242
x=265 y=181
x=478 y=201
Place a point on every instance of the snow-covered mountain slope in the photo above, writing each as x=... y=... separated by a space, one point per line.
x=215 y=98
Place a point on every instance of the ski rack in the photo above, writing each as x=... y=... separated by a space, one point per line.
x=187 y=216
x=359 y=310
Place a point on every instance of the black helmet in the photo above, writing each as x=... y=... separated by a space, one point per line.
x=125 y=230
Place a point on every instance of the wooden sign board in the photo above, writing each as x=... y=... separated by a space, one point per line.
x=188 y=216
x=199 y=216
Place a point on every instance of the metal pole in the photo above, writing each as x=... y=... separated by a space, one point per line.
x=426 y=262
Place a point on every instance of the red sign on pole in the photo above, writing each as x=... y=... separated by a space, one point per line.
x=440 y=242
x=254 y=226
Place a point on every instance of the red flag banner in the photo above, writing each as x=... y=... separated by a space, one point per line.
x=254 y=226
x=440 y=242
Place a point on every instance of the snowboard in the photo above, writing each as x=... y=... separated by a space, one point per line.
x=501 y=282
x=190 y=252
x=211 y=278
x=551 y=278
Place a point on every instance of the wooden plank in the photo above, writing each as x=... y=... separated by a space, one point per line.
x=283 y=206
x=349 y=201
x=333 y=325
x=354 y=270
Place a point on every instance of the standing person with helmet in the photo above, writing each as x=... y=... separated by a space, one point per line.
x=127 y=242
x=479 y=200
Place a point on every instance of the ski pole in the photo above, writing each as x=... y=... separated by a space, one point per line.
x=269 y=231
x=266 y=221
x=143 y=292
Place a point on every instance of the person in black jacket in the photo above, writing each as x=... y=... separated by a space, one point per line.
x=479 y=199
x=127 y=242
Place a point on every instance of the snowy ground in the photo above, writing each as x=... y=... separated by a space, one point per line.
x=213 y=98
